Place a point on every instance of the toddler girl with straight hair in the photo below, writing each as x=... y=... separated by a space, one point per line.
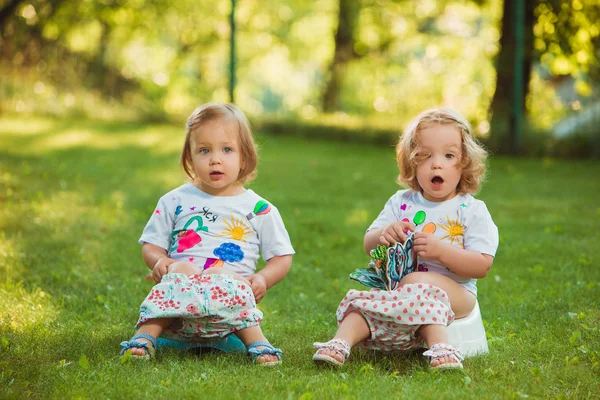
x=203 y=240
x=454 y=241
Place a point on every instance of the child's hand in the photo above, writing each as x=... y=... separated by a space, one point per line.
x=396 y=232
x=258 y=283
x=161 y=267
x=426 y=245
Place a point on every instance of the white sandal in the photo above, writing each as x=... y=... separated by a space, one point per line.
x=340 y=346
x=449 y=351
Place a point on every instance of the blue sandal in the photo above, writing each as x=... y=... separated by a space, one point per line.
x=267 y=348
x=133 y=343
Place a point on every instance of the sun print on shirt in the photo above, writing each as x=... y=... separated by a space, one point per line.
x=454 y=231
x=236 y=229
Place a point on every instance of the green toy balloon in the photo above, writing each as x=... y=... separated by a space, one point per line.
x=419 y=218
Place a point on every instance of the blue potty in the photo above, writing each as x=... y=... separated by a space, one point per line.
x=231 y=344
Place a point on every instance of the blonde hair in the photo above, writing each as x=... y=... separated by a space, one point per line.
x=230 y=113
x=473 y=156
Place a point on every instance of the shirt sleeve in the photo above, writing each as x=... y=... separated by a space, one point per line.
x=274 y=238
x=389 y=214
x=481 y=234
x=159 y=227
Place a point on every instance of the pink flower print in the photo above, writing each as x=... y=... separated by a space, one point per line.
x=422 y=268
x=187 y=240
x=204 y=278
x=403 y=207
x=191 y=308
x=244 y=314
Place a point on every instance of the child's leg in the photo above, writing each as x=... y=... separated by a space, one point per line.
x=154 y=328
x=184 y=267
x=254 y=334
x=353 y=329
x=462 y=303
x=222 y=271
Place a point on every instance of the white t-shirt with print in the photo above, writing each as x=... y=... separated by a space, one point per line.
x=463 y=221
x=227 y=231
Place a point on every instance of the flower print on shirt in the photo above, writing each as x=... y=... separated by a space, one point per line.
x=185 y=238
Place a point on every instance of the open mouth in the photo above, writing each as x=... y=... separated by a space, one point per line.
x=437 y=180
x=215 y=174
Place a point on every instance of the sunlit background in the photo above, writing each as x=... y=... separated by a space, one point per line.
x=157 y=60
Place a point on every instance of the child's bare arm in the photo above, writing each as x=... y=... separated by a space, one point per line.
x=467 y=263
x=156 y=259
x=273 y=272
x=372 y=239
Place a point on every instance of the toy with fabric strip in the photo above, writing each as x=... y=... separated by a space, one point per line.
x=388 y=265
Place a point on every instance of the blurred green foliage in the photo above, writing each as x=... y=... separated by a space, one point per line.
x=157 y=60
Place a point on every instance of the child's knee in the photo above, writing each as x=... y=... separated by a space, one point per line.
x=214 y=270
x=184 y=267
x=415 y=277
x=220 y=270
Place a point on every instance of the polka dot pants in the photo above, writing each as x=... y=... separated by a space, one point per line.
x=394 y=316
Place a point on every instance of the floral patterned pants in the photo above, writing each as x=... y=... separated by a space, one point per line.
x=204 y=307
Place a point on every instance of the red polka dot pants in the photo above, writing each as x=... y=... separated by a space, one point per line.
x=394 y=316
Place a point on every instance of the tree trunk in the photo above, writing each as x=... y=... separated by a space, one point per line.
x=343 y=53
x=502 y=138
x=7 y=11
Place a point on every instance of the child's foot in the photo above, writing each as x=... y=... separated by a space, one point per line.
x=140 y=351
x=443 y=356
x=335 y=352
x=263 y=353
x=141 y=346
x=266 y=358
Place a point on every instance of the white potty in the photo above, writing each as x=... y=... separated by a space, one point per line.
x=468 y=334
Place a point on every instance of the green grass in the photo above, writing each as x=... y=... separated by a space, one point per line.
x=75 y=195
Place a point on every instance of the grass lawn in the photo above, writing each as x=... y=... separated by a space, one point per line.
x=75 y=195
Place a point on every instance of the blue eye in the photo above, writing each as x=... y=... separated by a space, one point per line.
x=227 y=150
x=203 y=151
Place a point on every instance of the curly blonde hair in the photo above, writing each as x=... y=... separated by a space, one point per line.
x=229 y=113
x=473 y=155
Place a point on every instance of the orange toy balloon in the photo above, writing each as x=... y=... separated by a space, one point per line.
x=429 y=228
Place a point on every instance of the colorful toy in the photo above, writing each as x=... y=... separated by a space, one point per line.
x=388 y=266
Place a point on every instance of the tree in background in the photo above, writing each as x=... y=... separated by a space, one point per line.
x=347 y=47
x=386 y=39
x=33 y=40
x=344 y=52
x=562 y=38
x=502 y=139
x=332 y=62
x=163 y=57
x=149 y=56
